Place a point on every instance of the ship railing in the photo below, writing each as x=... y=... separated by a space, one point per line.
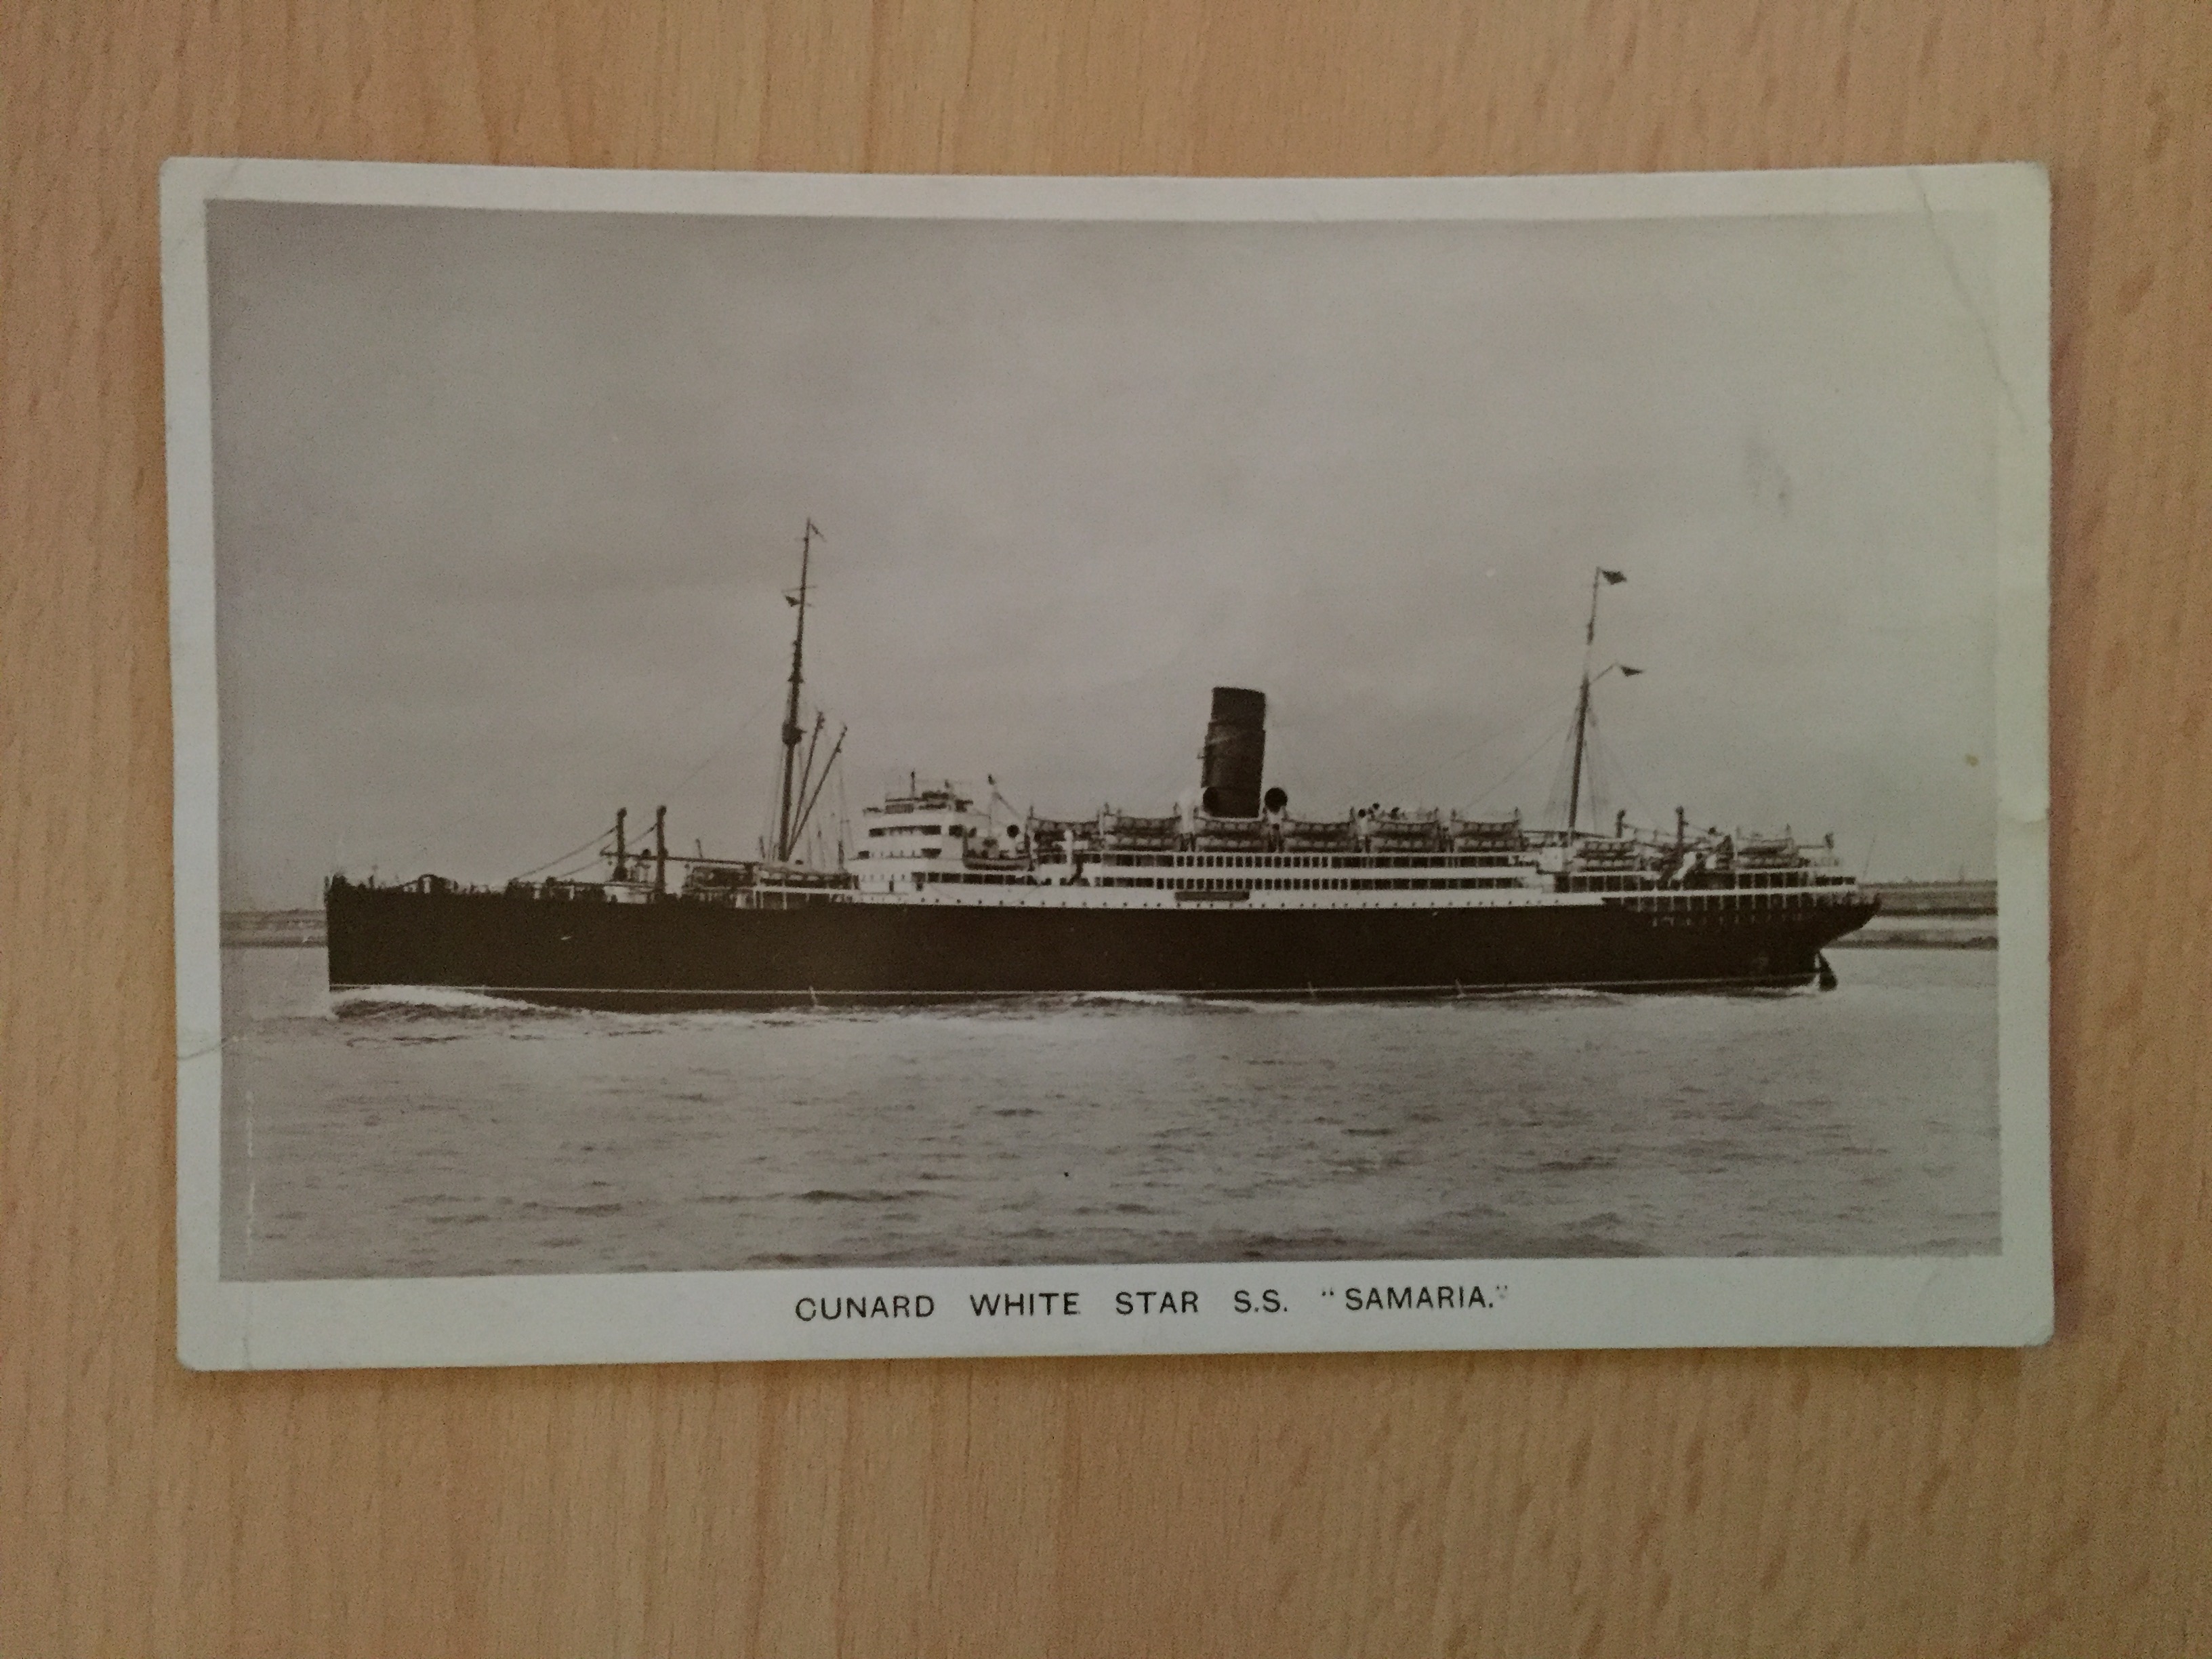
x=1485 y=835
x=926 y=800
x=1209 y=835
x=422 y=883
x=1320 y=834
x=801 y=876
x=1402 y=837
x=1054 y=839
x=996 y=862
x=585 y=892
x=1580 y=840
x=1126 y=832
x=1477 y=837
x=719 y=883
x=1655 y=845
x=1608 y=847
x=1758 y=846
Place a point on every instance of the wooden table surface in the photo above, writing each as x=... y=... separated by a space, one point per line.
x=2058 y=1501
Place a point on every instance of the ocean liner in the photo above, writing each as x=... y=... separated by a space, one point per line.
x=1235 y=895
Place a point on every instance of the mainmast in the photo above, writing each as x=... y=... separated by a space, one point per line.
x=792 y=731
x=1610 y=578
x=1582 y=725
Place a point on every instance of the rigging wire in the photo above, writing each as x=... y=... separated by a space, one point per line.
x=1623 y=779
x=770 y=810
x=1602 y=801
x=1561 y=791
x=767 y=820
x=1546 y=743
x=723 y=747
x=844 y=818
x=715 y=754
x=1496 y=734
x=577 y=868
x=590 y=841
x=567 y=745
x=1283 y=767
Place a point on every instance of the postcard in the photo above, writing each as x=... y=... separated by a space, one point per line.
x=782 y=765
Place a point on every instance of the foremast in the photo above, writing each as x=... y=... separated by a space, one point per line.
x=786 y=832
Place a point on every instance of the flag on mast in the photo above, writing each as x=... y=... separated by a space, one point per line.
x=1613 y=577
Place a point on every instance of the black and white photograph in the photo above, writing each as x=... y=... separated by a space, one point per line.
x=780 y=767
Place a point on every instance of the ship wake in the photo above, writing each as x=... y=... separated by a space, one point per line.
x=398 y=1002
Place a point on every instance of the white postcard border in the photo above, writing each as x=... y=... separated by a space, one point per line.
x=2000 y=1300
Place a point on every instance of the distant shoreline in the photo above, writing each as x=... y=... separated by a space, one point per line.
x=1929 y=915
x=1935 y=898
x=280 y=927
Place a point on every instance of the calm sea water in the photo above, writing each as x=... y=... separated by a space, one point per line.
x=438 y=1133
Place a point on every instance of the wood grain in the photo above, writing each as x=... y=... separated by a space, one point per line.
x=2052 y=1502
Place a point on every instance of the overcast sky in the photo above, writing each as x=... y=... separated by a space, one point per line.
x=505 y=503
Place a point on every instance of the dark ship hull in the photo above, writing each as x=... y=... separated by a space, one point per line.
x=678 y=952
